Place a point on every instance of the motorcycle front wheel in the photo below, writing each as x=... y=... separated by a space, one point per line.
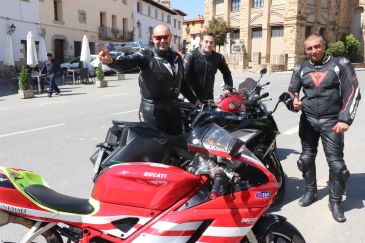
x=282 y=232
x=273 y=164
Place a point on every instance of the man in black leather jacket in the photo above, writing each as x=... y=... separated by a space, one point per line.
x=202 y=64
x=160 y=80
x=331 y=97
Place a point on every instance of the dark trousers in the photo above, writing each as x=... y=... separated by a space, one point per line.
x=310 y=130
x=165 y=116
x=52 y=84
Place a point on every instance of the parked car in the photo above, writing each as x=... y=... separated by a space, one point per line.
x=114 y=54
x=74 y=63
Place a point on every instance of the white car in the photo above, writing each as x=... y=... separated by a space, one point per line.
x=74 y=64
x=106 y=69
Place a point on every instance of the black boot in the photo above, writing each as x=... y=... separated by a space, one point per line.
x=311 y=188
x=337 y=185
x=308 y=198
x=337 y=211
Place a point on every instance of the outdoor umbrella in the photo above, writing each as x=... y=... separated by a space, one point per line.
x=9 y=53
x=42 y=51
x=32 y=59
x=85 y=51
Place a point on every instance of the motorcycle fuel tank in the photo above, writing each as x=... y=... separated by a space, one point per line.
x=232 y=103
x=145 y=185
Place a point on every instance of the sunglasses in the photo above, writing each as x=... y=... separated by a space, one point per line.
x=160 y=37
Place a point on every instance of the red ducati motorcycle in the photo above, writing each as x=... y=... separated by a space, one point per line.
x=220 y=195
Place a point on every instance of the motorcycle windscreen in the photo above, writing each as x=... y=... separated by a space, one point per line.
x=247 y=85
x=213 y=139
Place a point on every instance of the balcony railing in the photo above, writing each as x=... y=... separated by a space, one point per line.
x=114 y=34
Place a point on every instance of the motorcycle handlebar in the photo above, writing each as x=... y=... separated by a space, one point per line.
x=253 y=100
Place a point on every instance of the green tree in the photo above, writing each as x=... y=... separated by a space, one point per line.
x=220 y=29
x=352 y=45
x=348 y=47
x=336 y=49
x=99 y=72
x=23 y=79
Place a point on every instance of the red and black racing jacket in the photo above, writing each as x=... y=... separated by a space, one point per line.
x=330 y=89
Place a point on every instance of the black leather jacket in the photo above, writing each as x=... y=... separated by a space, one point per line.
x=200 y=70
x=162 y=75
x=330 y=89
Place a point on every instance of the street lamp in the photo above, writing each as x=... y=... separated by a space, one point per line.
x=11 y=29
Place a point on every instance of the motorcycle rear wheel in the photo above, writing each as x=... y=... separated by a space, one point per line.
x=13 y=233
x=282 y=232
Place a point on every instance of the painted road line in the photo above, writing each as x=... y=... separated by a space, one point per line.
x=31 y=130
x=291 y=131
x=125 y=112
x=55 y=102
x=111 y=95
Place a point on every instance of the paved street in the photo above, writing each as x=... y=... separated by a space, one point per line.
x=56 y=136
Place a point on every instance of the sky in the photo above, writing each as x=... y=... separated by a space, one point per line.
x=191 y=7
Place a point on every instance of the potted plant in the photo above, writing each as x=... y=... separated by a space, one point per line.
x=23 y=91
x=100 y=82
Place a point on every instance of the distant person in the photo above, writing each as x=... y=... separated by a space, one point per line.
x=51 y=68
x=332 y=95
x=201 y=65
x=160 y=80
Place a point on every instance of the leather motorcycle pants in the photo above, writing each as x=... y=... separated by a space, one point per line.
x=165 y=116
x=310 y=130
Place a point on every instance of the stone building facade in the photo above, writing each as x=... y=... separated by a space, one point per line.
x=192 y=29
x=272 y=32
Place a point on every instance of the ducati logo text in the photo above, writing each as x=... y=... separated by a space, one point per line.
x=155 y=175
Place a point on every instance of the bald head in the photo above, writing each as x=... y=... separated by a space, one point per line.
x=161 y=37
x=161 y=27
x=315 y=37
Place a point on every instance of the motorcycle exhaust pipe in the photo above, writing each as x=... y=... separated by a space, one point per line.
x=6 y=218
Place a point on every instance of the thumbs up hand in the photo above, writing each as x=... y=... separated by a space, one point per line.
x=104 y=55
x=296 y=102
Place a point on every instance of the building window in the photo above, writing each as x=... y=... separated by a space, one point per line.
x=163 y=16
x=311 y=2
x=179 y=25
x=324 y=4
x=235 y=5
x=114 y=21
x=256 y=32
x=156 y=14
x=257 y=3
x=322 y=31
x=139 y=7
x=149 y=10
x=125 y=2
x=102 y=19
x=235 y=34
x=277 y=31
x=175 y=23
x=57 y=8
x=82 y=16
x=169 y=19
x=308 y=31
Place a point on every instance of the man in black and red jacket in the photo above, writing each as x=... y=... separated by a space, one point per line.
x=331 y=96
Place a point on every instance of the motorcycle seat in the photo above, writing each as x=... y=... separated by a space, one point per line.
x=57 y=201
x=133 y=124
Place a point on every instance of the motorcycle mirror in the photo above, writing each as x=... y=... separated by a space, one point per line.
x=234 y=146
x=284 y=96
x=263 y=71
